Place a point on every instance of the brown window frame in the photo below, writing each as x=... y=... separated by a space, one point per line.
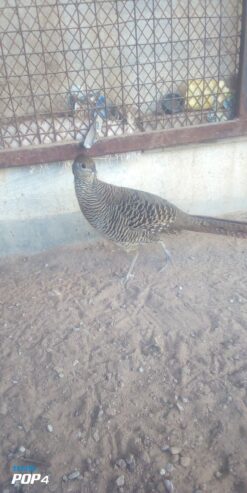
x=210 y=132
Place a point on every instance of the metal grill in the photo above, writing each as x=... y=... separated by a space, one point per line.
x=128 y=65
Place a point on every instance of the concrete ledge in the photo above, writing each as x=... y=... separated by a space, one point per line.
x=34 y=235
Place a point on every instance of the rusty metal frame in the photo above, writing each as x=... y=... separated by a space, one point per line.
x=143 y=141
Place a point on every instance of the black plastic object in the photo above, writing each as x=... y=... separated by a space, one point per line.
x=172 y=102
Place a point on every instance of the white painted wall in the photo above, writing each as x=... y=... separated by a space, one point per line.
x=38 y=208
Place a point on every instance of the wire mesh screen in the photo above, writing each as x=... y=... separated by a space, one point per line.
x=118 y=66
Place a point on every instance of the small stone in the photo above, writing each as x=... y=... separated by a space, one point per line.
x=175 y=450
x=146 y=441
x=59 y=371
x=218 y=475
x=131 y=462
x=96 y=436
x=120 y=481
x=22 y=449
x=74 y=475
x=185 y=461
x=145 y=457
x=169 y=486
x=50 y=428
x=141 y=369
x=162 y=472
x=121 y=464
x=165 y=448
x=180 y=407
x=169 y=467
x=61 y=375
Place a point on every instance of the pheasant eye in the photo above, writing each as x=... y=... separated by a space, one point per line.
x=83 y=166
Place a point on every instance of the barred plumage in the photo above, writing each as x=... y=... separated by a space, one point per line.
x=131 y=217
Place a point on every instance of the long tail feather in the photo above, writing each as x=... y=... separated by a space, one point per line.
x=204 y=224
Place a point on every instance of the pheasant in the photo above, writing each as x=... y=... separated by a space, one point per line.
x=132 y=217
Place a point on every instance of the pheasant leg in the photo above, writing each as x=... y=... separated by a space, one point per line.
x=130 y=271
x=168 y=257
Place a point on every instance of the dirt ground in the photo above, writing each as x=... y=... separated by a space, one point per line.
x=143 y=388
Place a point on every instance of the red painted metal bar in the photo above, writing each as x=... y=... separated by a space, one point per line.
x=116 y=145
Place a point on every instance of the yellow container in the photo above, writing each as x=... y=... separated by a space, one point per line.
x=203 y=94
